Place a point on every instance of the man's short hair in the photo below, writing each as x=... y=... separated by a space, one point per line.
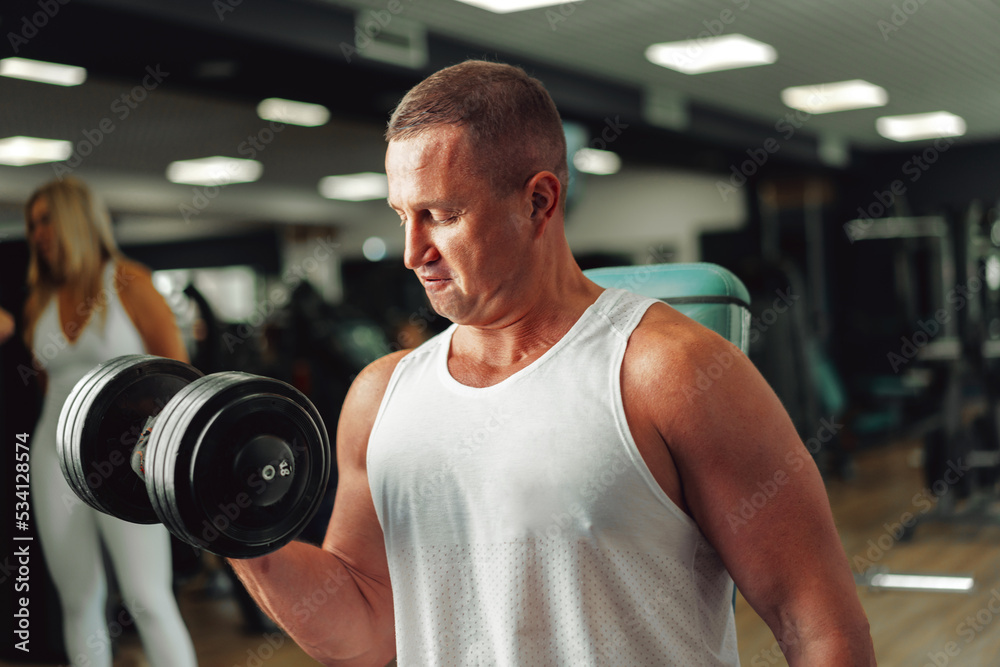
x=512 y=123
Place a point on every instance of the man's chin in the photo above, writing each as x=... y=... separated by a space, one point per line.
x=454 y=310
x=440 y=304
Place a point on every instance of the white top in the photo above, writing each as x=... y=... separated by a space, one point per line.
x=521 y=524
x=67 y=362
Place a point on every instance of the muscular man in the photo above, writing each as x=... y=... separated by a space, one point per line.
x=533 y=486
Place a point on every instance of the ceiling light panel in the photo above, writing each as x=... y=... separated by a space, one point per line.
x=832 y=97
x=921 y=126
x=292 y=112
x=509 y=6
x=20 y=151
x=355 y=187
x=711 y=54
x=216 y=170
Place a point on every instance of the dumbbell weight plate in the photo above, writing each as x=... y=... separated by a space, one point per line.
x=100 y=423
x=240 y=465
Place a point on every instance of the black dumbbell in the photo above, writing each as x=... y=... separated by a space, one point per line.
x=232 y=463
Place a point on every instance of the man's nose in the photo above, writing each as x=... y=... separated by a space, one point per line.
x=418 y=248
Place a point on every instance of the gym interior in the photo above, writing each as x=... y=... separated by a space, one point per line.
x=871 y=259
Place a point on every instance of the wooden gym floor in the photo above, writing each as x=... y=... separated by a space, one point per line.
x=908 y=628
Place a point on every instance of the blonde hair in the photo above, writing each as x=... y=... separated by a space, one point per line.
x=83 y=243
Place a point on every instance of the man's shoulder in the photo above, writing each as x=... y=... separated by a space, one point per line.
x=665 y=331
x=363 y=400
x=377 y=374
x=668 y=345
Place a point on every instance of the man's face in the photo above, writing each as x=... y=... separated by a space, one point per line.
x=468 y=246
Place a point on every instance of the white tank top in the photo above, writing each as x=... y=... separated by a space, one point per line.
x=522 y=525
x=66 y=362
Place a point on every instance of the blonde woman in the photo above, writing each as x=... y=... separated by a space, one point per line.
x=87 y=303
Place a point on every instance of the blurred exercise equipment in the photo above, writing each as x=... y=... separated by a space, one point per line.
x=949 y=352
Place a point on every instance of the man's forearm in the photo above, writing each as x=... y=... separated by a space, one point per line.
x=830 y=647
x=336 y=614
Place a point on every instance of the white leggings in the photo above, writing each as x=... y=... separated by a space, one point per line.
x=70 y=533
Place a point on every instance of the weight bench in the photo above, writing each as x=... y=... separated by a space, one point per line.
x=707 y=293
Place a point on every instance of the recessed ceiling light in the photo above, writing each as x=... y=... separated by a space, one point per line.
x=921 y=126
x=711 y=54
x=295 y=113
x=19 y=151
x=216 y=170
x=508 y=6
x=355 y=187
x=839 y=96
x=596 y=161
x=43 y=72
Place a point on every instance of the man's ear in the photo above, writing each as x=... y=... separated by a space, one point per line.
x=544 y=189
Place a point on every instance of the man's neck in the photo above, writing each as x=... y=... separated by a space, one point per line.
x=483 y=356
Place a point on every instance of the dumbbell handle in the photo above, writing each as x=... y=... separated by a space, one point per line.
x=138 y=458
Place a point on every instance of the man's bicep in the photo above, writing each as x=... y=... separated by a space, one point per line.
x=354 y=532
x=757 y=496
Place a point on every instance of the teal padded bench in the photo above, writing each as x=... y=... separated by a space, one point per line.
x=707 y=293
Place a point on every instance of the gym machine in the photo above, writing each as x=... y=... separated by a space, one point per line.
x=955 y=346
